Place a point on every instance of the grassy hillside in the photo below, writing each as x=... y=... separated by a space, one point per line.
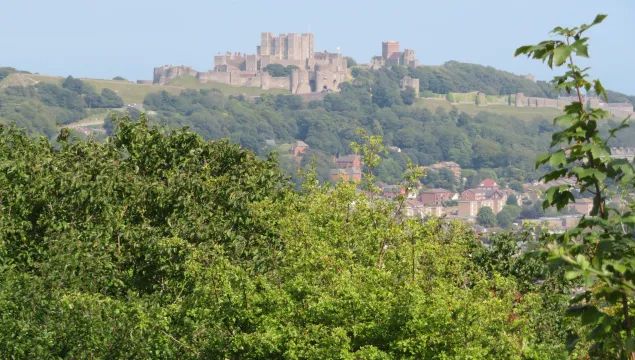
x=523 y=113
x=135 y=93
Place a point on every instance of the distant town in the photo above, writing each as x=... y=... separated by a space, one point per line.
x=464 y=206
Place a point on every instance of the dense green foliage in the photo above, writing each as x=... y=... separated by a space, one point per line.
x=277 y=70
x=39 y=108
x=599 y=251
x=454 y=76
x=107 y=99
x=161 y=245
x=486 y=217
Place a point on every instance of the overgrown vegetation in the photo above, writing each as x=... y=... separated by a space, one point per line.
x=39 y=108
x=157 y=244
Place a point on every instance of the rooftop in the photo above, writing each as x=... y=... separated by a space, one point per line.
x=437 y=190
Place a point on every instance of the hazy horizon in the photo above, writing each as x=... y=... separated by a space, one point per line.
x=130 y=38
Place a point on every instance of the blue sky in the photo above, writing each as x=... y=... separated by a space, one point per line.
x=128 y=38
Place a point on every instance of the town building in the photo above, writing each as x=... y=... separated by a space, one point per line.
x=627 y=153
x=437 y=196
x=348 y=174
x=298 y=148
x=472 y=200
x=556 y=223
x=415 y=208
x=488 y=184
x=392 y=191
x=347 y=161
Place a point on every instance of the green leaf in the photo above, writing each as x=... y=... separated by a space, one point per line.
x=581 y=48
x=561 y=54
x=598 y=19
x=558 y=158
x=523 y=50
x=572 y=274
x=599 y=90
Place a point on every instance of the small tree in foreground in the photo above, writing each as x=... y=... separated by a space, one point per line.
x=600 y=250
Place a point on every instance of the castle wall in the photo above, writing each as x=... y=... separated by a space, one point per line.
x=215 y=76
x=165 y=74
x=279 y=82
x=285 y=62
x=251 y=63
x=300 y=82
x=621 y=113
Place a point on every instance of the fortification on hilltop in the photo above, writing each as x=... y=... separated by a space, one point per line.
x=310 y=71
x=390 y=55
x=618 y=110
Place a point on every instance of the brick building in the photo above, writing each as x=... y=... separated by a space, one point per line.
x=348 y=174
x=437 y=196
x=488 y=184
x=347 y=161
x=299 y=147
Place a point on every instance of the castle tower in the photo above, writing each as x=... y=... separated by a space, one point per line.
x=300 y=81
x=266 y=43
x=293 y=47
x=388 y=48
x=307 y=48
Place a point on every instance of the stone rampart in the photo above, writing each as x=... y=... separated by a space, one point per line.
x=164 y=74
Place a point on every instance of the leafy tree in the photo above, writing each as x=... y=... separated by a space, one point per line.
x=158 y=244
x=278 y=70
x=485 y=217
x=507 y=216
x=110 y=99
x=512 y=200
x=119 y=78
x=408 y=96
x=599 y=251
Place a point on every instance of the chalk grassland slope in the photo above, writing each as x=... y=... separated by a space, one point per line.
x=132 y=93
x=523 y=113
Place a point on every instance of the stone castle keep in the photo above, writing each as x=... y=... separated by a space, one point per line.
x=316 y=71
x=391 y=56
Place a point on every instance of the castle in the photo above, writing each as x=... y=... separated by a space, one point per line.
x=310 y=71
x=390 y=56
